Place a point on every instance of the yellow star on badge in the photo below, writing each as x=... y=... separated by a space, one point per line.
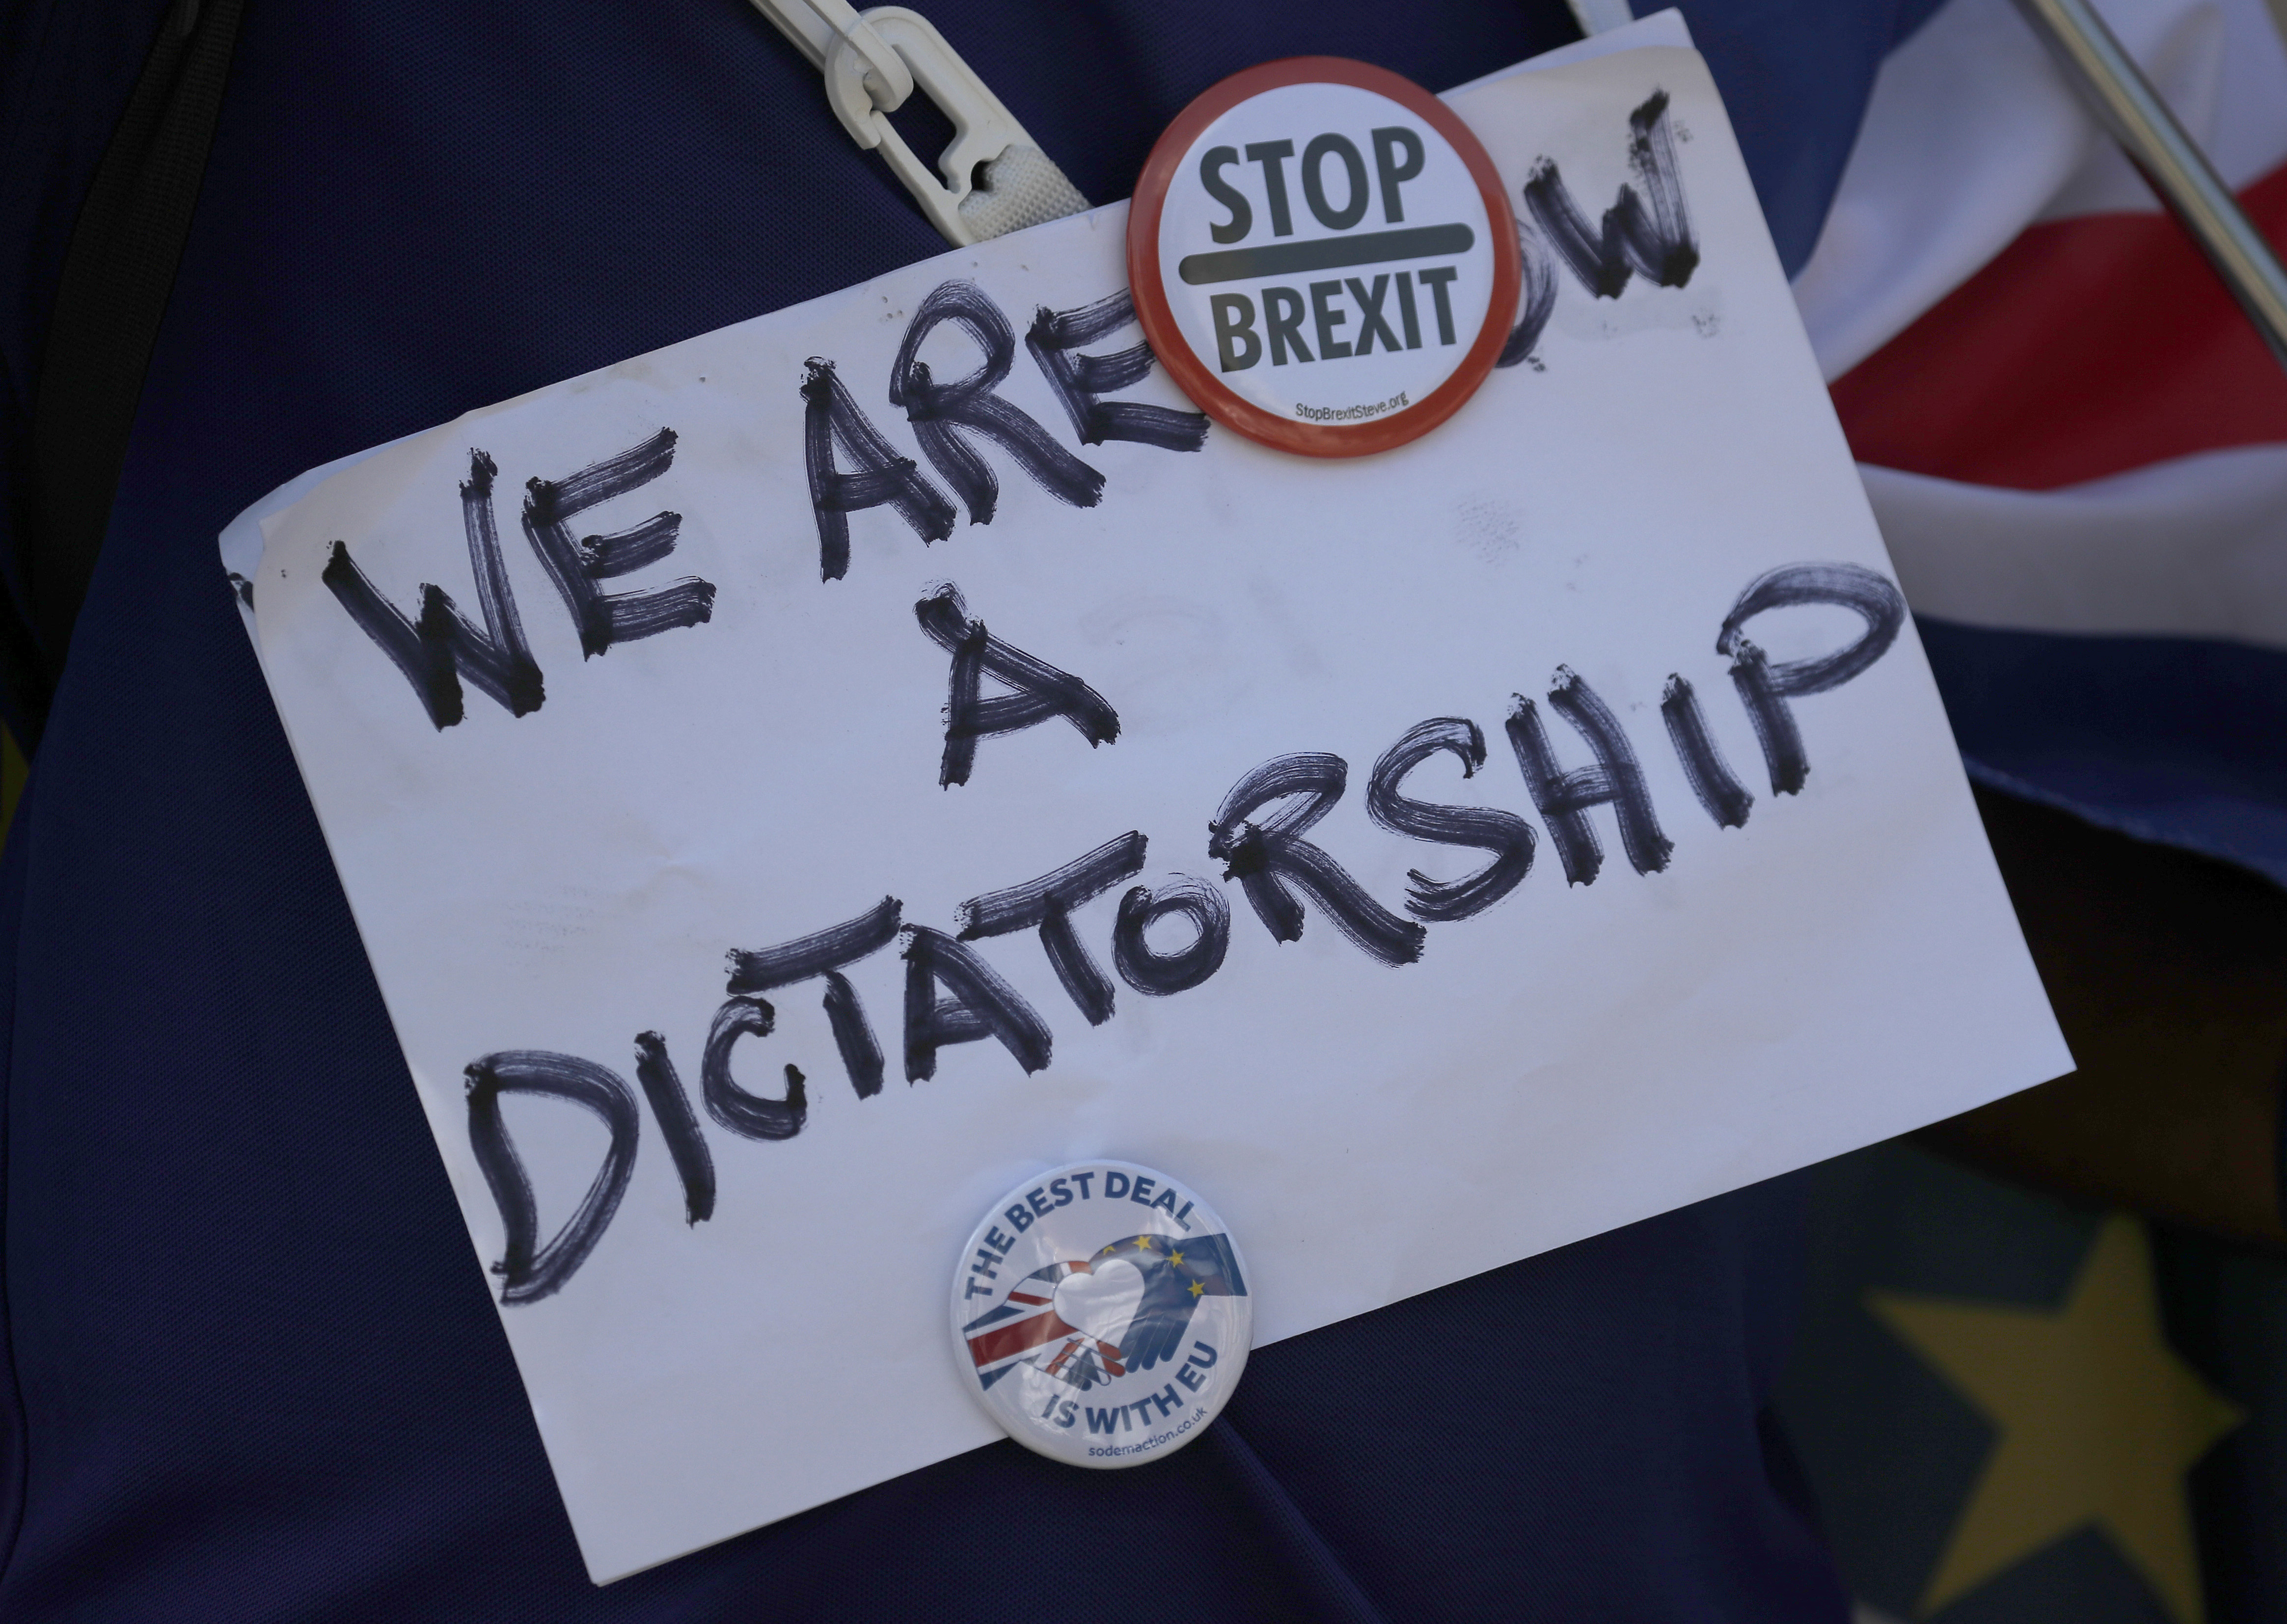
x=2098 y=1421
x=1196 y=1288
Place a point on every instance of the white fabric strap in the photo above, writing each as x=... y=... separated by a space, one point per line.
x=990 y=180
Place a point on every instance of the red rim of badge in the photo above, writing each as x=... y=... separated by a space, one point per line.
x=1191 y=374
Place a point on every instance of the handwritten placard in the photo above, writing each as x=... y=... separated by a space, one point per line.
x=794 y=785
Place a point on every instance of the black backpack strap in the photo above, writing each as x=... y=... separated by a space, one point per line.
x=116 y=276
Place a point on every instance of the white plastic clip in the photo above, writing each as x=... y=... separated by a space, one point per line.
x=992 y=178
x=817 y=26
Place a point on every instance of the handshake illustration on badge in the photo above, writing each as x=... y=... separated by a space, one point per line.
x=1098 y=1333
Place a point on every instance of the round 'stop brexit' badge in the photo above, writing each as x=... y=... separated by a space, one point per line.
x=1323 y=256
x=1102 y=1313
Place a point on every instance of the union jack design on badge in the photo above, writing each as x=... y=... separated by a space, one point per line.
x=1098 y=1333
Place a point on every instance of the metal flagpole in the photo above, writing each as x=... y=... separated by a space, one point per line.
x=2124 y=100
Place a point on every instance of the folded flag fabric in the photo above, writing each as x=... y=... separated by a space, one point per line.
x=2075 y=441
x=2008 y=1407
x=2012 y=1410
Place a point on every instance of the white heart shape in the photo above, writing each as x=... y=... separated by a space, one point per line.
x=1101 y=1303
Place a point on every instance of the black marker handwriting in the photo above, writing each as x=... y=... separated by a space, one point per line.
x=1615 y=778
x=737 y=1110
x=670 y=1108
x=828 y=952
x=1507 y=836
x=1766 y=688
x=625 y=552
x=1536 y=295
x=833 y=419
x=947 y=415
x=1081 y=381
x=1037 y=691
x=434 y=652
x=1147 y=969
x=1046 y=903
x=981 y=1004
x=1718 y=788
x=575 y=566
x=529 y=1271
x=1647 y=232
x=953 y=994
x=1266 y=857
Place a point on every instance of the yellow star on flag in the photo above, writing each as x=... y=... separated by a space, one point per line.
x=1196 y=1288
x=1175 y=1257
x=2098 y=1421
x=1144 y=1242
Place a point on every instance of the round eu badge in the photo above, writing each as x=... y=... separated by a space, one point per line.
x=1323 y=256
x=1102 y=1313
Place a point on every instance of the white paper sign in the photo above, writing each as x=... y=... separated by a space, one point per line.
x=1724 y=1000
